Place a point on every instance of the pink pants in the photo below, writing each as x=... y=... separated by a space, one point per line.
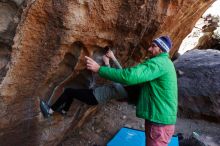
x=158 y=135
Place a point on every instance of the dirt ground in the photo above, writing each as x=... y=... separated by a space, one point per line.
x=114 y=115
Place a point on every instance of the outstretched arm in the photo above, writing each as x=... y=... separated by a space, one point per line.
x=141 y=73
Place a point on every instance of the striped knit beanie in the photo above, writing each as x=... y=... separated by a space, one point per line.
x=164 y=43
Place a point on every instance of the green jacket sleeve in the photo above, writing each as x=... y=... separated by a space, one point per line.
x=141 y=73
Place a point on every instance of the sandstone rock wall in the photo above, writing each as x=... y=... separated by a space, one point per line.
x=51 y=40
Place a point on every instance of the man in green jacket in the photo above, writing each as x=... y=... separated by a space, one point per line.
x=157 y=102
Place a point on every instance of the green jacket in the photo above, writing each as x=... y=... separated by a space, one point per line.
x=158 y=97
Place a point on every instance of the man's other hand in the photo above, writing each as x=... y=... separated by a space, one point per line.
x=92 y=65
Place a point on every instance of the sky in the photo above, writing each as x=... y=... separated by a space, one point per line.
x=214 y=9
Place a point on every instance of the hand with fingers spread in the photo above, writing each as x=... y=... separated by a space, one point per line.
x=92 y=65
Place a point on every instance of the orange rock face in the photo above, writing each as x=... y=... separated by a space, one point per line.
x=51 y=40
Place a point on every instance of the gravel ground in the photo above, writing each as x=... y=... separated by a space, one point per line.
x=114 y=115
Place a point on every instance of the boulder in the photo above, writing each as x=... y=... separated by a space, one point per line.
x=199 y=83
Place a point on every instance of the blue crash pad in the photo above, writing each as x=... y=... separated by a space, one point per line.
x=133 y=137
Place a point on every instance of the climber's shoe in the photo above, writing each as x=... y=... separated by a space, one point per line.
x=45 y=109
x=63 y=112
